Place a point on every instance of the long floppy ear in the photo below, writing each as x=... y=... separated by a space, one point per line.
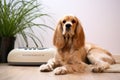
x=79 y=37
x=58 y=39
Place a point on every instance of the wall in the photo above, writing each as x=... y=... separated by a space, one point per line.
x=100 y=19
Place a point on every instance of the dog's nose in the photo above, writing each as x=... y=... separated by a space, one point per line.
x=68 y=26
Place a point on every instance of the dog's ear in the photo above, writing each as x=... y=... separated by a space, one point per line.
x=79 y=37
x=58 y=39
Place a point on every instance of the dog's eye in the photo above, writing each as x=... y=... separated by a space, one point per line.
x=73 y=21
x=64 y=21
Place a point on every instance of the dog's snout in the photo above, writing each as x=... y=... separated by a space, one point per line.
x=68 y=25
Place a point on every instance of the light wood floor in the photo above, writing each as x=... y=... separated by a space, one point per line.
x=8 y=72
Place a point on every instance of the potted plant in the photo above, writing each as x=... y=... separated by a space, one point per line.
x=16 y=16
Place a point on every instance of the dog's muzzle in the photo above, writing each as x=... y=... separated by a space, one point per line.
x=68 y=27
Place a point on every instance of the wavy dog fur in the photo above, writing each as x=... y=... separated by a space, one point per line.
x=72 y=53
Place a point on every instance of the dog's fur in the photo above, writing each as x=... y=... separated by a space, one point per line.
x=72 y=53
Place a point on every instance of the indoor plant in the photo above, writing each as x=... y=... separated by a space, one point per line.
x=15 y=17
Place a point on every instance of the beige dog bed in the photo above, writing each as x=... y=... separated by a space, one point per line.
x=20 y=60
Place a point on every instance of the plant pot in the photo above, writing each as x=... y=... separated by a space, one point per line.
x=6 y=45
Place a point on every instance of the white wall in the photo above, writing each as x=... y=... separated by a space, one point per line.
x=100 y=20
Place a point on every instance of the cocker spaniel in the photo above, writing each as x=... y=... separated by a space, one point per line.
x=72 y=53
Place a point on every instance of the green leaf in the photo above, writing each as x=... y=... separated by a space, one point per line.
x=18 y=15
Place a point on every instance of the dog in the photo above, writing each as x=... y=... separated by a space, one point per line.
x=73 y=54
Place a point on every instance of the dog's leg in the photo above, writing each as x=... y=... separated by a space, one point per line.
x=100 y=66
x=49 y=66
x=60 y=70
x=99 y=60
x=70 y=68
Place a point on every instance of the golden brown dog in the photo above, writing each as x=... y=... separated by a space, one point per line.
x=72 y=53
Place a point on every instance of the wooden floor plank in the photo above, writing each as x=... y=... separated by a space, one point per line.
x=9 y=72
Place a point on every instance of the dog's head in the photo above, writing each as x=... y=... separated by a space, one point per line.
x=68 y=27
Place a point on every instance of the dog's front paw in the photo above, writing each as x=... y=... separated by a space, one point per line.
x=97 y=69
x=45 y=68
x=60 y=70
x=100 y=67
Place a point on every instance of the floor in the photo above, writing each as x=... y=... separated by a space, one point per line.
x=9 y=72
